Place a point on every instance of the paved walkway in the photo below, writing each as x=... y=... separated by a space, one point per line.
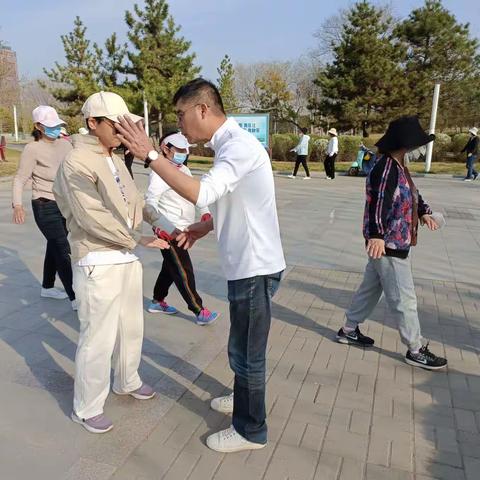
x=335 y=412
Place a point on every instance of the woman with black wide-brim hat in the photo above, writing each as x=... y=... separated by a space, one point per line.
x=392 y=212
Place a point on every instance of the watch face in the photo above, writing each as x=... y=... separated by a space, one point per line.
x=153 y=155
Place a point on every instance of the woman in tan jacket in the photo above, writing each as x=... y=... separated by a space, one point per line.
x=39 y=164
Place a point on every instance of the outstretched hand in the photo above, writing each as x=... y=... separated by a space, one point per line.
x=134 y=137
x=194 y=232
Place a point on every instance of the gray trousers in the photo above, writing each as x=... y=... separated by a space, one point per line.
x=393 y=277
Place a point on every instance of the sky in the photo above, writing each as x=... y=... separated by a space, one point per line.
x=247 y=30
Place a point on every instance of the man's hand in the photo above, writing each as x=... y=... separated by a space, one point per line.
x=133 y=136
x=194 y=232
x=429 y=222
x=18 y=215
x=154 y=242
x=376 y=248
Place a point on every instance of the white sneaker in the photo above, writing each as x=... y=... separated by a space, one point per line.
x=229 y=441
x=223 y=404
x=53 y=293
x=307 y=178
x=291 y=176
x=328 y=178
x=74 y=305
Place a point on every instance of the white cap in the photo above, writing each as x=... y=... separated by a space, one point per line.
x=333 y=131
x=473 y=131
x=109 y=105
x=178 y=140
x=47 y=116
x=83 y=131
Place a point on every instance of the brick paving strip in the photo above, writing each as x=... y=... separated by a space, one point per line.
x=338 y=412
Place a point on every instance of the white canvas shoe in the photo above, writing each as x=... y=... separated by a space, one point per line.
x=53 y=293
x=291 y=176
x=229 y=441
x=223 y=404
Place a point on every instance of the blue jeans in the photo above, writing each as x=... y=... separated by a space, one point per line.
x=471 y=172
x=250 y=318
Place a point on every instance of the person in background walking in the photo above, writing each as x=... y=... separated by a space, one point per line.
x=472 y=148
x=302 y=154
x=392 y=212
x=332 y=151
x=169 y=214
x=3 y=147
x=39 y=163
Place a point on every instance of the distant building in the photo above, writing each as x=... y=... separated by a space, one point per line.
x=9 y=85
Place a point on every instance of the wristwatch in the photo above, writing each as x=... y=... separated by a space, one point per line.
x=151 y=157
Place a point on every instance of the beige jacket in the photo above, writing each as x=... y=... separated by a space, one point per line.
x=92 y=203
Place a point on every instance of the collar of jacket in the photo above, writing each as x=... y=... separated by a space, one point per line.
x=88 y=141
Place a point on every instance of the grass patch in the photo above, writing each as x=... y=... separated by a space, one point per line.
x=449 y=168
x=10 y=167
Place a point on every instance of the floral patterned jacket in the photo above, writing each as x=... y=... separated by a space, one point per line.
x=389 y=207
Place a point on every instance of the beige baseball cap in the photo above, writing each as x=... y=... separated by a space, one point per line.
x=108 y=105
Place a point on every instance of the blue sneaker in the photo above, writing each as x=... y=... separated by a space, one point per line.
x=206 y=317
x=161 y=307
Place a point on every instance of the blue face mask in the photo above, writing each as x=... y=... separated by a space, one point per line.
x=52 y=132
x=179 y=158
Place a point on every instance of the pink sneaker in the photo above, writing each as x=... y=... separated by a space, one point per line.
x=161 y=307
x=145 y=392
x=206 y=317
x=98 y=424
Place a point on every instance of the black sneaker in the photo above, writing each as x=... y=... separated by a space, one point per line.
x=354 y=338
x=425 y=359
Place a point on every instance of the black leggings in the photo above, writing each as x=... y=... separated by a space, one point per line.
x=301 y=159
x=177 y=268
x=329 y=165
x=57 y=256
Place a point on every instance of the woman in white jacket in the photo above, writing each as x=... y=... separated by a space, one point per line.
x=169 y=214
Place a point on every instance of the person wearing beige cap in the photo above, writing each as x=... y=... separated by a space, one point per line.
x=39 y=163
x=104 y=216
x=472 y=149
x=332 y=151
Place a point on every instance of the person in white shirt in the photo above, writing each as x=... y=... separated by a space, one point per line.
x=103 y=209
x=240 y=191
x=302 y=154
x=332 y=151
x=169 y=214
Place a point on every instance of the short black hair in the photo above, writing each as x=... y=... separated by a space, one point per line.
x=199 y=88
x=97 y=119
x=304 y=130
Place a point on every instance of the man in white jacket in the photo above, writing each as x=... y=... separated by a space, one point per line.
x=240 y=191
x=170 y=214
x=302 y=154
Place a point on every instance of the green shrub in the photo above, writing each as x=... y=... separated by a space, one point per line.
x=441 y=146
x=281 y=144
x=459 y=141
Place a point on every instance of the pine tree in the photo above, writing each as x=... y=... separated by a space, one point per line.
x=112 y=62
x=226 y=84
x=75 y=81
x=160 y=62
x=439 y=49
x=363 y=85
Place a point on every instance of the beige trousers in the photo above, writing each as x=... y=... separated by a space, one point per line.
x=110 y=310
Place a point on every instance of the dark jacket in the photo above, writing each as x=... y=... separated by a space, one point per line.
x=389 y=207
x=472 y=146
